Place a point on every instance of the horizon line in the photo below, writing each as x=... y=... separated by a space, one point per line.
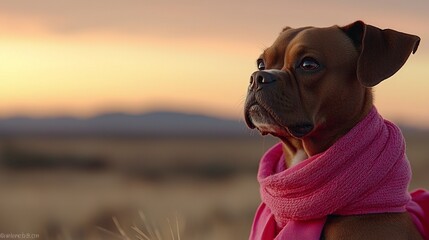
x=398 y=122
x=115 y=111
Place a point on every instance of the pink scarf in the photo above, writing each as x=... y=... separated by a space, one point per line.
x=365 y=171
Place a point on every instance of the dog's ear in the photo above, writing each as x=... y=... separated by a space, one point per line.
x=381 y=52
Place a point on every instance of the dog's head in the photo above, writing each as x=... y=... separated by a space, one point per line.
x=314 y=80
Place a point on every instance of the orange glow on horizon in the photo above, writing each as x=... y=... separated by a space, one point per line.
x=90 y=73
x=49 y=73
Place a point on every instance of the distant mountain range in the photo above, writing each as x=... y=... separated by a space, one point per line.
x=152 y=124
x=122 y=124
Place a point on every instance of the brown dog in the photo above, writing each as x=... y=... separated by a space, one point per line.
x=313 y=86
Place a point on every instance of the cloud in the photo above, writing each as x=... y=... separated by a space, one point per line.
x=130 y=16
x=189 y=18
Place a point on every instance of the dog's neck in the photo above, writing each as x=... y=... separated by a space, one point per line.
x=297 y=150
x=293 y=151
x=326 y=137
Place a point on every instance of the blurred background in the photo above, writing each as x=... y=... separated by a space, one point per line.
x=133 y=109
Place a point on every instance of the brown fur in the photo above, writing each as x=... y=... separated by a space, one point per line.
x=310 y=110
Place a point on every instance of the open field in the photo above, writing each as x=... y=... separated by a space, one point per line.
x=63 y=188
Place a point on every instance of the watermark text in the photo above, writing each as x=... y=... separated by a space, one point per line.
x=19 y=235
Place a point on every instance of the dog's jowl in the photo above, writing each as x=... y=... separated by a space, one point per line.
x=340 y=170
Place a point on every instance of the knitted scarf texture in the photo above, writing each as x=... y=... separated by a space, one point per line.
x=365 y=171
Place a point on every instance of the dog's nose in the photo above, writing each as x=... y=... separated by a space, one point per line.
x=260 y=78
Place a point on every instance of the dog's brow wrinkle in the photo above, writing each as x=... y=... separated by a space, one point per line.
x=264 y=53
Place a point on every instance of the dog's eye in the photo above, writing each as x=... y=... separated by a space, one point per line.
x=261 y=65
x=309 y=64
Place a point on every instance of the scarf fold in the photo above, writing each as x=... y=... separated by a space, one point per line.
x=365 y=171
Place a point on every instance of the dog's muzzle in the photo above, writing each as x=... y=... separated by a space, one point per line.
x=269 y=107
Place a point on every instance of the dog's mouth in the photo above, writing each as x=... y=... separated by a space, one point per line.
x=267 y=122
x=301 y=130
x=258 y=117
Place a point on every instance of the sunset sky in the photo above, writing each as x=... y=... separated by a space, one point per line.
x=85 y=57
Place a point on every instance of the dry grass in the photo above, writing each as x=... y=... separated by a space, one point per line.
x=72 y=202
x=148 y=230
